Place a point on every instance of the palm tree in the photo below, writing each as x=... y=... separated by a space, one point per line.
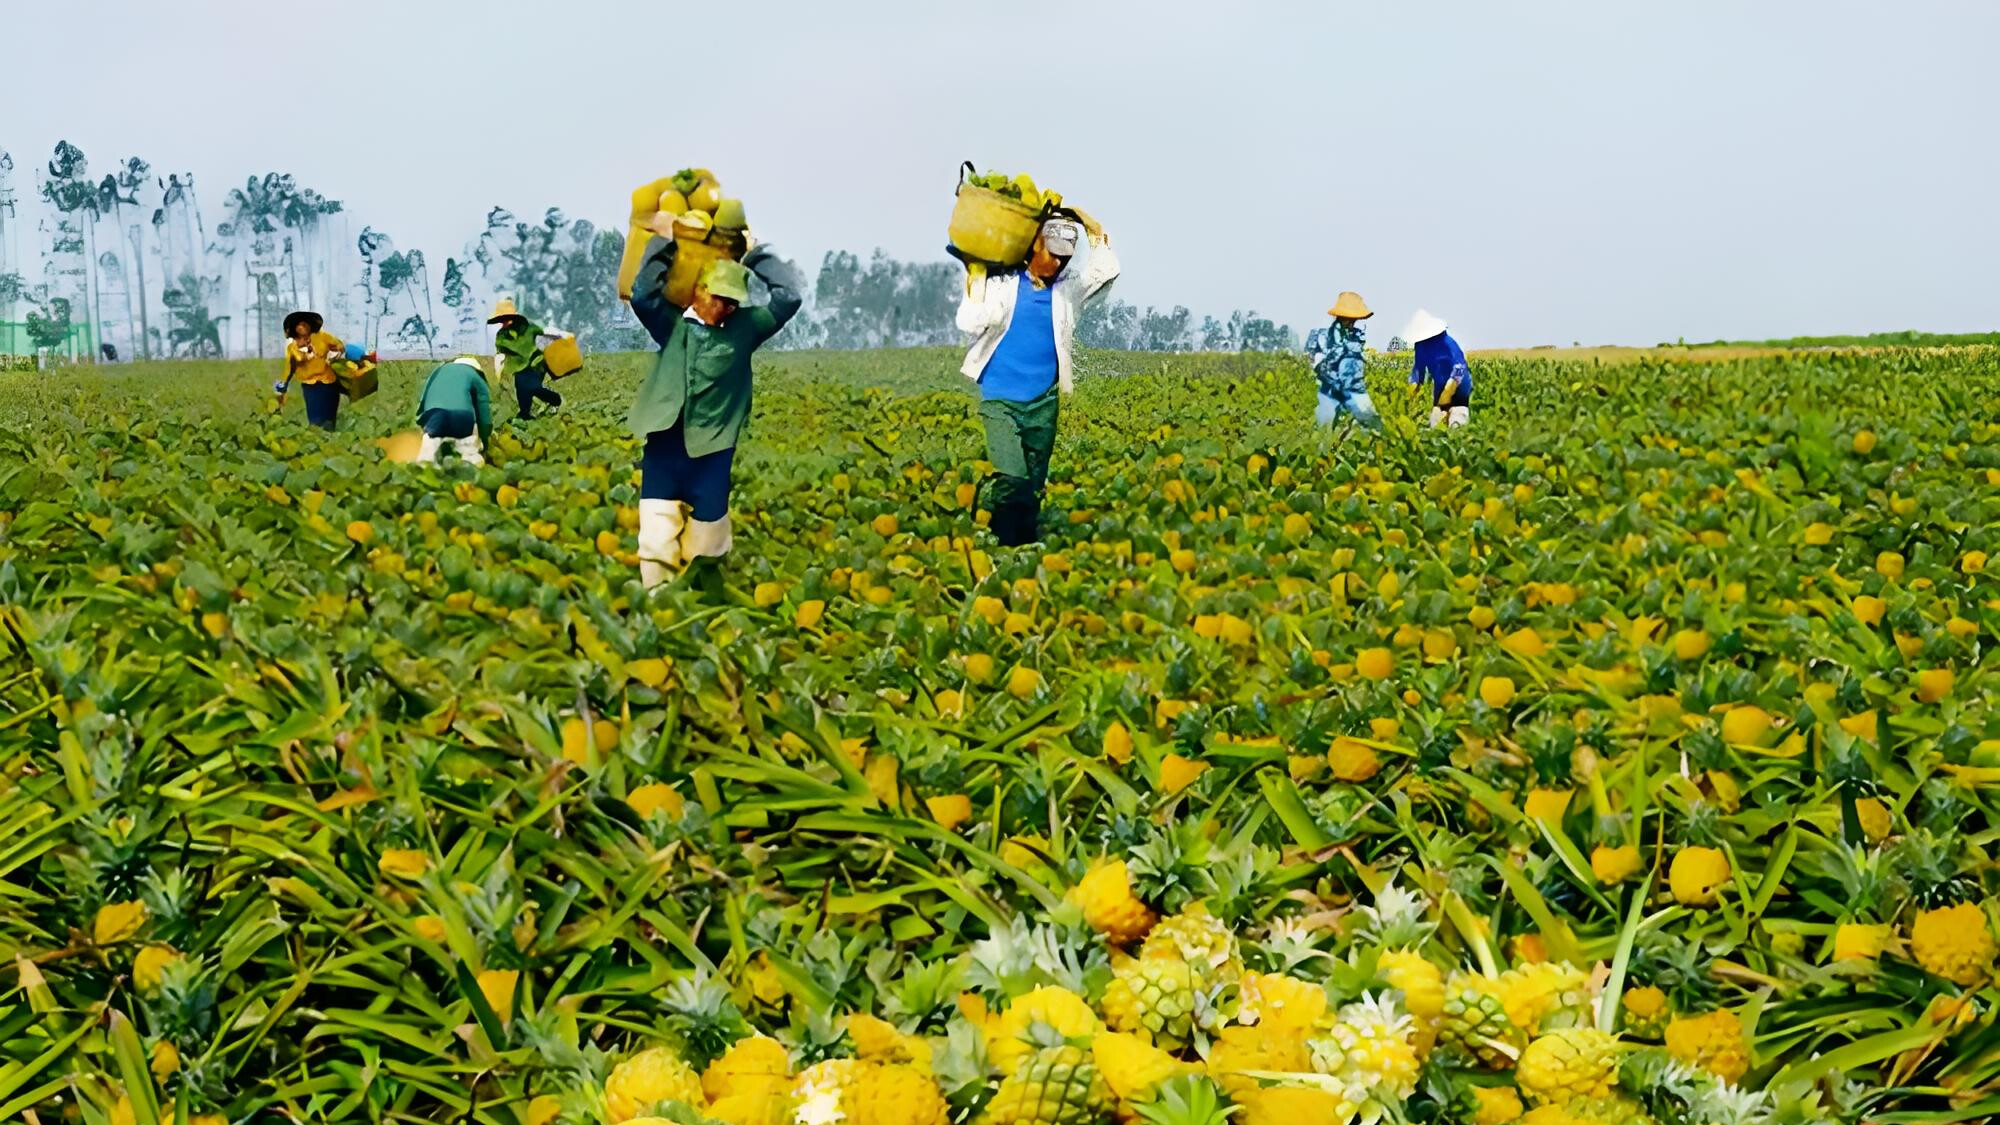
x=124 y=189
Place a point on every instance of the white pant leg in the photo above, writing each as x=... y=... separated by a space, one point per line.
x=1437 y=417
x=709 y=538
x=468 y=450
x=660 y=523
x=427 y=450
x=1459 y=416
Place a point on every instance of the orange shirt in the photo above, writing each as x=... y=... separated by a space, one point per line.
x=313 y=368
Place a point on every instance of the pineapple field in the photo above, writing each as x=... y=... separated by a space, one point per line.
x=1630 y=756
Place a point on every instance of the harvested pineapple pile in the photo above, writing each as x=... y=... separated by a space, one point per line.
x=694 y=198
x=1020 y=188
x=1644 y=768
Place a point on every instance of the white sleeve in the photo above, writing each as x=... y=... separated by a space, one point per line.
x=976 y=313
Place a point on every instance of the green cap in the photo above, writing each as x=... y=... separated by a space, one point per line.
x=724 y=278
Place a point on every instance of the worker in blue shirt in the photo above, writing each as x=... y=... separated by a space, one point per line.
x=1440 y=365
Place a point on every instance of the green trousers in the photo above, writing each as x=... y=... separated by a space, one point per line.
x=1019 y=438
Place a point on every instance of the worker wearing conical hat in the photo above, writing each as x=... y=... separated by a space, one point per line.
x=310 y=352
x=517 y=355
x=1338 y=354
x=1439 y=364
x=691 y=409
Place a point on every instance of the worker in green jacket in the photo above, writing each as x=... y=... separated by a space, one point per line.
x=517 y=355
x=691 y=408
x=455 y=406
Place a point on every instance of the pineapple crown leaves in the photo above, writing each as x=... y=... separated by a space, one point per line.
x=1862 y=876
x=1287 y=943
x=1171 y=868
x=1396 y=919
x=702 y=1017
x=920 y=996
x=1018 y=957
x=1186 y=1099
x=961 y=1068
x=1924 y=868
x=817 y=1037
x=1684 y=970
x=1352 y=979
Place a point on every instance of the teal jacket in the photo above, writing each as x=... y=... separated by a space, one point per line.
x=702 y=375
x=459 y=386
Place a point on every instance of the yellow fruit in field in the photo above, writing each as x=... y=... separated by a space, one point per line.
x=1481 y=617
x=1496 y=691
x=1298 y=525
x=1524 y=642
x=1864 y=442
x=117 y=921
x=1547 y=804
x=1568 y=1064
x=1713 y=1041
x=965 y=494
x=1177 y=773
x=1954 y=942
x=950 y=810
x=149 y=963
x=361 y=531
x=1934 y=685
x=1746 y=726
x=949 y=702
x=1972 y=562
x=403 y=863
x=650 y=671
x=1375 y=663
x=507 y=495
x=1352 y=761
x=768 y=594
x=429 y=927
x=1131 y=1065
x=1614 y=864
x=1889 y=564
x=1869 y=609
x=653 y=1075
x=1864 y=725
x=809 y=614
x=884 y=525
x=542 y=1109
x=1819 y=534
x=1439 y=645
x=607 y=542
x=1110 y=906
x=1181 y=560
x=1697 y=875
x=497 y=986
x=979 y=668
x=214 y=624
x=1023 y=681
x=1496 y=1105
x=1860 y=941
x=166 y=1061
x=1691 y=644
x=1118 y=743
x=654 y=797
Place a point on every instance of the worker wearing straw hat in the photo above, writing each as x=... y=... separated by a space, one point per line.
x=691 y=409
x=309 y=355
x=517 y=355
x=1338 y=357
x=1439 y=364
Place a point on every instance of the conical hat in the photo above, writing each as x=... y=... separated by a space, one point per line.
x=1423 y=326
x=1350 y=305
x=504 y=309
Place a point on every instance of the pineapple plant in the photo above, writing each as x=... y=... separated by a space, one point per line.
x=749 y=1083
x=1395 y=926
x=1182 y=982
x=1132 y=1067
x=1713 y=1041
x=1242 y=1052
x=1541 y=995
x=1111 y=907
x=1949 y=935
x=1186 y=1100
x=1367 y=1055
x=867 y=1093
x=640 y=1083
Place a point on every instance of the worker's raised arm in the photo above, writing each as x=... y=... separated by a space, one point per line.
x=649 y=291
x=786 y=285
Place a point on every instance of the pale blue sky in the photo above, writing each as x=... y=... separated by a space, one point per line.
x=1536 y=172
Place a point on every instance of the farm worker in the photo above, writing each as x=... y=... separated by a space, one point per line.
x=455 y=406
x=691 y=409
x=1337 y=357
x=1023 y=322
x=309 y=356
x=1440 y=364
x=517 y=355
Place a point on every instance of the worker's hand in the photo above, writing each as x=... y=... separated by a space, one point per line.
x=661 y=224
x=1091 y=226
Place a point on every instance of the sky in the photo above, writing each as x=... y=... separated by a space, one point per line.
x=1541 y=172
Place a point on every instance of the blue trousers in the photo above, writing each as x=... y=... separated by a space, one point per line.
x=322 y=403
x=666 y=472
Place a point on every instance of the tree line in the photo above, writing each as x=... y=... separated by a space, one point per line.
x=121 y=264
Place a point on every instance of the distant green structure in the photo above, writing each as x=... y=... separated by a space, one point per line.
x=77 y=341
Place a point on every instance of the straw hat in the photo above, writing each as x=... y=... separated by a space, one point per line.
x=1423 y=326
x=1350 y=305
x=503 y=310
x=312 y=319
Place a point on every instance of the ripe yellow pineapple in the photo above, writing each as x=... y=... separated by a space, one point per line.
x=1014 y=1034
x=1285 y=1105
x=1954 y=942
x=1543 y=995
x=868 y=1093
x=1369 y=1051
x=1131 y=1066
x=1713 y=1041
x=1239 y=1051
x=1109 y=905
x=1173 y=987
x=1568 y=1064
x=1646 y=1011
x=1284 y=1002
x=1058 y=1085
x=653 y=1075
x=1497 y=1105
x=748 y=1083
x=1697 y=874
x=1395 y=923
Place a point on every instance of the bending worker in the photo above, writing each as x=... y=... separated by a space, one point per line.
x=1438 y=363
x=1338 y=354
x=1023 y=323
x=691 y=409
x=455 y=406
